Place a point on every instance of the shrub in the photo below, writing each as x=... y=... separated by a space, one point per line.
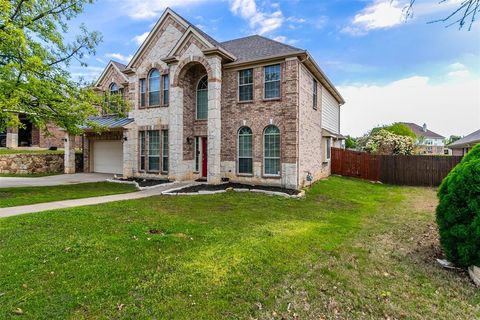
x=385 y=142
x=458 y=211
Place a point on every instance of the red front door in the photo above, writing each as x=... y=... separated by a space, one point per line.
x=204 y=156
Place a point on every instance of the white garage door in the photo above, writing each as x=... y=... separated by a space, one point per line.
x=108 y=156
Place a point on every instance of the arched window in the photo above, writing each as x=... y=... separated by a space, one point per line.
x=154 y=88
x=271 y=146
x=113 y=88
x=202 y=98
x=245 y=159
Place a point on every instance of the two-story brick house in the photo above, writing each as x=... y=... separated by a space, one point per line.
x=252 y=110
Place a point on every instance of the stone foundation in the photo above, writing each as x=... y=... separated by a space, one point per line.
x=36 y=163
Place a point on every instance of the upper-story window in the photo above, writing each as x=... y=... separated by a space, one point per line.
x=202 y=99
x=114 y=88
x=143 y=91
x=245 y=85
x=165 y=85
x=154 y=88
x=272 y=81
x=315 y=94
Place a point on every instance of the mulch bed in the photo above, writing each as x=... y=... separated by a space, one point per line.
x=217 y=187
x=142 y=182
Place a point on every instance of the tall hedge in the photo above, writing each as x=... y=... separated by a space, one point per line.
x=458 y=211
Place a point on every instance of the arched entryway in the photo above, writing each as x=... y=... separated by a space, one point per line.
x=193 y=79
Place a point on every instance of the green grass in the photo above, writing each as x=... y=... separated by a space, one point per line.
x=26 y=151
x=30 y=175
x=10 y=197
x=351 y=249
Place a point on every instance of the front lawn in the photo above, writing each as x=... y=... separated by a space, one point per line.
x=29 y=151
x=351 y=249
x=10 y=197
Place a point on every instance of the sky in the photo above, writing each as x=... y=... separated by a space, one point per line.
x=388 y=67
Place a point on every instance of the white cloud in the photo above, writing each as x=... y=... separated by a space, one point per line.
x=141 y=37
x=88 y=74
x=284 y=39
x=449 y=107
x=146 y=9
x=260 y=21
x=381 y=14
x=120 y=57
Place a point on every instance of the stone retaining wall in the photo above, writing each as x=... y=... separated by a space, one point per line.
x=36 y=163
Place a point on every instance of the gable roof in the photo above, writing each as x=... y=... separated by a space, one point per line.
x=419 y=132
x=468 y=140
x=257 y=47
x=117 y=65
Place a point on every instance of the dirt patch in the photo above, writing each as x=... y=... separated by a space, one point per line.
x=5 y=195
x=224 y=186
x=155 y=231
x=146 y=182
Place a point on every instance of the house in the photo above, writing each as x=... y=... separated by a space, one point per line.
x=252 y=110
x=28 y=135
x=462 y=146
x=428 y=142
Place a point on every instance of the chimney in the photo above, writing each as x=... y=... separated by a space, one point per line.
x=424 y=127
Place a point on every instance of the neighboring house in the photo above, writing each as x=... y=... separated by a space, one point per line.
x=462 y=146
x=428 y=142
x=252 y=110
x=28 y=135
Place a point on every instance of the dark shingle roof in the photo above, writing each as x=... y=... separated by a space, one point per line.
x=257 y=47
x=470 y=139
x=119 y=65
x=418 y=130
x=108 y=122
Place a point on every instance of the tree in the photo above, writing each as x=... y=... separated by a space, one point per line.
x=401 y=129
x=458 y=211
x=33 y=63
x=464 y=14
x=452 y=139
x=350 y=143
x=384 y=142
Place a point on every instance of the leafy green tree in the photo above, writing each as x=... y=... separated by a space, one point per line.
x=33 y=64
x=350 y=143
x=458 y=211
x=401 y=129
x=452 y=139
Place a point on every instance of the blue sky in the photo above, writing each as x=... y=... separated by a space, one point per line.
x=388 y=69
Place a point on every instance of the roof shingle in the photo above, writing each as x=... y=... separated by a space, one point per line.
x=419 y=132
x=257 y=47
x=470 y=139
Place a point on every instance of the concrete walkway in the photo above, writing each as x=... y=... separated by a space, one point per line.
x=61 y=179
x=14 y=211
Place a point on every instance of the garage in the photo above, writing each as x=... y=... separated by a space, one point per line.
x=108 y=156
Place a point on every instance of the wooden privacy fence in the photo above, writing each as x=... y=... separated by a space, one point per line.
x=401 y=170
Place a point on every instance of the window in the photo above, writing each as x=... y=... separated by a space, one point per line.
x=164 y=150
x=315 y=94
x=245 y=160
x=328 y=149
x=272 y=81
x=165 y=89
x=271 y=147
x=154 y=88
x=245 y=85
x=153 y=150
x=197 y=154
x=143 y=90
x=113 y=89
x=202 y=99
x=142 y=150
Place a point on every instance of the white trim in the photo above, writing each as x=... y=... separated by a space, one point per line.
x=183 y=39
x=279 y=82
x=263 y=153
x=238 y=152
x=238 y=86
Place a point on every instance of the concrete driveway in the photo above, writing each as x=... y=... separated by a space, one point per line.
x=62 y=179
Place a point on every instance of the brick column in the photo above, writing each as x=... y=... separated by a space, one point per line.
x=214 y=120
x=12 y=138
x=69 y=157
x=129 y=142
